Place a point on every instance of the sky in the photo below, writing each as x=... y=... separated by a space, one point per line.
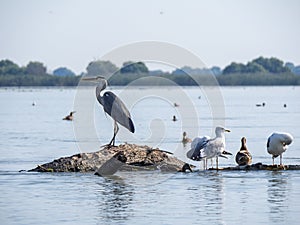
x=72 y=33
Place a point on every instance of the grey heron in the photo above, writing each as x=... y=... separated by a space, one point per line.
x=203 y=148
x=113 y=106
x=278 y=143
x=243 y=156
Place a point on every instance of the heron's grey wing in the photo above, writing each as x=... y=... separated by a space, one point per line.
x=114 y=106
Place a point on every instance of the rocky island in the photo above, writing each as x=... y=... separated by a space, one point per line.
x=131 y=157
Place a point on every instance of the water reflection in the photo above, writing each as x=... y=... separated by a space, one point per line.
x=210 y=194
x=114 y=200
x=277 y=196
x=244 y=195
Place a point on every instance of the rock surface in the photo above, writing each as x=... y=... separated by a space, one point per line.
x=137 y=158
x=260 y=166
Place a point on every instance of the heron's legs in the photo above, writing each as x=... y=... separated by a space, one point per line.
x=273 y=160
x=116 y=130
x=217 y=162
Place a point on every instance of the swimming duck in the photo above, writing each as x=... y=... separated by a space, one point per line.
x=70 y=116
x=259 y=105
x=185 y=139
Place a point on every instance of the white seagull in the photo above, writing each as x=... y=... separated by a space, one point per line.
x=197 y=144
x=208 y=148
x=278 y=144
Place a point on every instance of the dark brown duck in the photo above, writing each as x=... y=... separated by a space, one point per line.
x=243 y=157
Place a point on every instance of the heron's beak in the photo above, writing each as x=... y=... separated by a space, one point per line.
x=89 y=78
x=226 y=130
x=92 y=78
x=223 y=156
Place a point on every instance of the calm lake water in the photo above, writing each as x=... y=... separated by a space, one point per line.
x=32 y=135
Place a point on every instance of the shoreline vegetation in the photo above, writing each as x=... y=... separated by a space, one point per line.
x=260 y=71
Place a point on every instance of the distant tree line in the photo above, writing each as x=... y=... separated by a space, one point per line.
x=260 y=71
x=34 y=74
x=259 y=65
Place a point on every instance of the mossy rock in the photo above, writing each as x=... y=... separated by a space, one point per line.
x=138 y=158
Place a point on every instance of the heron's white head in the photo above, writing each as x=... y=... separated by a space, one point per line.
x=101 y=81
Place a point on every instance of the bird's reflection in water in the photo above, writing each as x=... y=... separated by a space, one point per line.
x=114 y=200
x=277 y=196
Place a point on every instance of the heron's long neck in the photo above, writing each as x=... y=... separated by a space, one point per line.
x=98 y=91
x=100 y=87
x=98 y=95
